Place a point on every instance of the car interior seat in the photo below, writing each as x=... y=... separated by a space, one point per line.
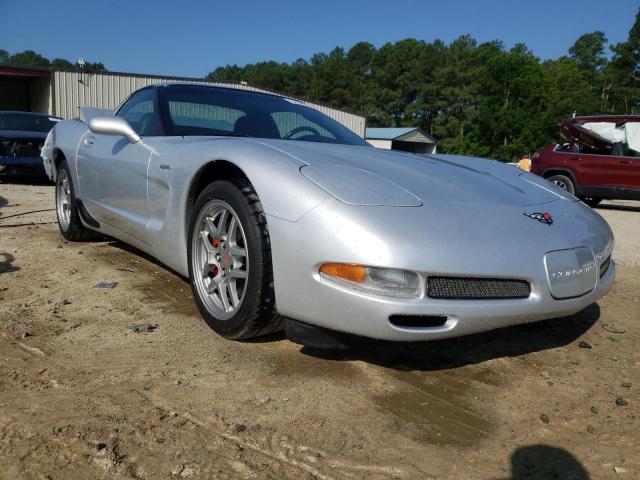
x=261 y=126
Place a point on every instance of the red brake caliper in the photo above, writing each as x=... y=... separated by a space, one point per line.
x=213 y=271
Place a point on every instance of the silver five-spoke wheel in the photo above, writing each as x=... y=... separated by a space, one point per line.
x=220 y=260
x=63 y=199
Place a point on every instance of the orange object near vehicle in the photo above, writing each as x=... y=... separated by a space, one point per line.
x=525 y=164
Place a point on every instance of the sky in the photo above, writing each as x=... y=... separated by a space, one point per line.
x=193 y=37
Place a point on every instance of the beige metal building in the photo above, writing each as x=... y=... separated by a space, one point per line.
x=62 y=93
x=407 y=139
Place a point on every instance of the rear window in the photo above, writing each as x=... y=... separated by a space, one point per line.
x=26 y=123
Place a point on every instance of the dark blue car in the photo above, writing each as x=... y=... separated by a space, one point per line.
x=22 y=134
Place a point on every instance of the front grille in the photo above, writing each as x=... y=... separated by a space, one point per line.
x=465 y=288
x=20 y=147
x=604 y=266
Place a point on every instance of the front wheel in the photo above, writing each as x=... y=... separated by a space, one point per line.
x=230 y=261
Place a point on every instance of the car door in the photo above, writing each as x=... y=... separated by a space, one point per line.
x=629 y=165
x=112 y=171
x=596 y=170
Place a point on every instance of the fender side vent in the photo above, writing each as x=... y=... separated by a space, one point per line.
x=418 y=321
x=466 y=288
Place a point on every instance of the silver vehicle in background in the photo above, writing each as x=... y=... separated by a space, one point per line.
x=276 y=213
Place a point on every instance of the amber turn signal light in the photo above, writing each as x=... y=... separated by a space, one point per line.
x=346 y=271
x=389 y=282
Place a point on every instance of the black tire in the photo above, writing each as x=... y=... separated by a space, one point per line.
x=256 y=315
x=75 y=231
x=591 y=201
x=563 y=182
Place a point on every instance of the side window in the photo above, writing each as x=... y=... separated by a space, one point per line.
x=140 y=112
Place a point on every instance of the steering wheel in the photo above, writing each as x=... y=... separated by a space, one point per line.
x=301 y=129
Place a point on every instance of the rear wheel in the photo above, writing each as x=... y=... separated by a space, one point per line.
x=230 y=261
x=591 y=201
x=69 y=222
x=563 y=182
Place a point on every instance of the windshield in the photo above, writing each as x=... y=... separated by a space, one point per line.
x=195 y=110
x=23 y=122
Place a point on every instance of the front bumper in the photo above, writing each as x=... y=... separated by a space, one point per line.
x=368 y=315
x=465 y=242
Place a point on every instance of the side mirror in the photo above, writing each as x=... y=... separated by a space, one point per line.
x=113 y=126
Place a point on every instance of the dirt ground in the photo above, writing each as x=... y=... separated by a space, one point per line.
x=82 y=396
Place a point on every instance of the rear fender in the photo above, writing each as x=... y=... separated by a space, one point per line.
x=66 y=137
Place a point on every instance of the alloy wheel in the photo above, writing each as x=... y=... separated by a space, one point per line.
x=220 y=259
x=63 y=199
x=560 y=184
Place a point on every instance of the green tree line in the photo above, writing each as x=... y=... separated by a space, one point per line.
x=34 y=59
x=476 y=99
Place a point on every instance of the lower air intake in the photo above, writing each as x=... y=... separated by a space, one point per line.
x=464 y=288
x=418 y=321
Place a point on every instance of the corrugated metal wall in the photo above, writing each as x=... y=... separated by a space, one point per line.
x=72 y=90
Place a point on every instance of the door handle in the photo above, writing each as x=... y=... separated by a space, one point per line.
x=88 y=140
x=626 y=162
x=164 y=166
x=574 y=158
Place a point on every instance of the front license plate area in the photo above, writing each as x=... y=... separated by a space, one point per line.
x=571 y=273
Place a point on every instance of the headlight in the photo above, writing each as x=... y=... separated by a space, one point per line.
x=389 y=282
x=607 y=251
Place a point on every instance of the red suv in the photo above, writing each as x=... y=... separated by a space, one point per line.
x=600 y=161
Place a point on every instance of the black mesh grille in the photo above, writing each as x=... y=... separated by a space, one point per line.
x=604 y=266
x=463 y=288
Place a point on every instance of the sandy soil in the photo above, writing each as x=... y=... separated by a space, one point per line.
x=83 y=396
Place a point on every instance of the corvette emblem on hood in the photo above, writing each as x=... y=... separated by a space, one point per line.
x=545 y=218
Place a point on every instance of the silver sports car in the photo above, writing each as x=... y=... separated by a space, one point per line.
x=277 y=213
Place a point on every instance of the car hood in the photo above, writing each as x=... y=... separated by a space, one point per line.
x=601 y=133
x=22 y=134
x=576 y=133
x=430 y=178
